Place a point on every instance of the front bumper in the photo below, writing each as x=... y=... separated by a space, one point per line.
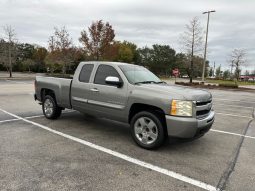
x=184 y=127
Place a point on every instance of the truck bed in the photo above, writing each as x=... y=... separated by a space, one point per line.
x=60 y=86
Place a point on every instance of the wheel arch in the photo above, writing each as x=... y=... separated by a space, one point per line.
x=138 y=107
x=45 y=91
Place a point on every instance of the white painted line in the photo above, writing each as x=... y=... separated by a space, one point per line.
x=32 y=117
x=231 y=106
x=9 y=120
x=233 y=100
x=17 y=82
x=236 y=134
x=229 y=114
x=123 y=156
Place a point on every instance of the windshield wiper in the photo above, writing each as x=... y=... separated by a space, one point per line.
x=145 y=82
x=161 y=82
x=149 y=82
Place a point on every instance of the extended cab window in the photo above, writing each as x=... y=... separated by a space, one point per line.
x=85 y=73
x=104 y=71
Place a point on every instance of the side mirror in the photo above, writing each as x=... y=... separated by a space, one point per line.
x=115 y=81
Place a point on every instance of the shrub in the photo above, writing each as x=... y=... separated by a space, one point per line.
x=195 y=83
x=227 y=85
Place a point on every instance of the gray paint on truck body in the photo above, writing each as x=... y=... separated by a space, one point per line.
x=115 y=103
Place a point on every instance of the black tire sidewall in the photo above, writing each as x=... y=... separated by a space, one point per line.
x=158 y=121
x=56 y=110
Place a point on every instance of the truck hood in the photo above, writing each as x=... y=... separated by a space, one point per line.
x=177 y=92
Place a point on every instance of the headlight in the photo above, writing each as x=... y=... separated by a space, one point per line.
x=181 y=108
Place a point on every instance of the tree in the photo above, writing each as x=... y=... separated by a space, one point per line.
x=133 y=48
x=238 y=59
x=218 y=72
x=198 y=64
x=77 y=55
x=60 y=55
x=211 y=72
x=121 y=52
x=24 y=52
x=125 y=53
x=163 y=59
x=226 y=74
x=182 y=63
x=11 y=41
x=160 y=58
x=101 y=36
x=4 y=54
x=39 y=56
x=144 y=56
x=192 y=41
x=27 y=64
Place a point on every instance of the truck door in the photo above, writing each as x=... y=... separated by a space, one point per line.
x=80 y=90
x=108 y=100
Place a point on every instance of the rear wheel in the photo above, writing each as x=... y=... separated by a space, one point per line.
x=50 y=108
x=147 y=130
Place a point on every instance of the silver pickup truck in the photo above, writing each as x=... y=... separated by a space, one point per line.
x=131 y=94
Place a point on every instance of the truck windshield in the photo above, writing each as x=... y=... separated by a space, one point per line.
x=138 y=74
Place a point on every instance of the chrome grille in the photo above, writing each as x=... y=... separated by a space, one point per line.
x=203 y=108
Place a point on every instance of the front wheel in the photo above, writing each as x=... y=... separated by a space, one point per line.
x=147 y=130
x=50 y=108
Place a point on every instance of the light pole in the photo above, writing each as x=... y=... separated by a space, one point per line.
x=208 y=17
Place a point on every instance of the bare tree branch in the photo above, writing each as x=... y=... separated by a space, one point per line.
x=191 y=41
x=60 y=48
x=237 y=60
x=11 y=40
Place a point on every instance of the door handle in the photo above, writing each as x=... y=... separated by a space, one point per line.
x=94 y=90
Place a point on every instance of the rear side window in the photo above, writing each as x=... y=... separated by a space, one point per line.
x=85 y=73
x=104 y=71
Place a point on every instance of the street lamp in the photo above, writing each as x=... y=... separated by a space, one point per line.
x=208 y=17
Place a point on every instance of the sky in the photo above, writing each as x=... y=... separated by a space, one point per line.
x=143 y=22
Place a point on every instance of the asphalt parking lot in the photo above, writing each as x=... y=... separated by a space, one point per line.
x=77 y=152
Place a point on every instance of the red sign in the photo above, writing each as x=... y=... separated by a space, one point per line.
x=175 y=72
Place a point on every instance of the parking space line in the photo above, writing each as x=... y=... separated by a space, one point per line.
x=9 y=120
x=32 y=117
x=229 y=114
x=169 y=173
x=229 y=133
x=17 y=82
x=215 y=104
x=234 y=100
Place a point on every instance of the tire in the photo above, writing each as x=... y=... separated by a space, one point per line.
x=50 y=108
x=147 y=130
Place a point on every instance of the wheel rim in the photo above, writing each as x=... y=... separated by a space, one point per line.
x=146 y=131
x=48 y=107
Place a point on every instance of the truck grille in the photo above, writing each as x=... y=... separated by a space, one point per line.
x=203 y=108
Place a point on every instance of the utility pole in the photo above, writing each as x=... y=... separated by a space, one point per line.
x=208 y=18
